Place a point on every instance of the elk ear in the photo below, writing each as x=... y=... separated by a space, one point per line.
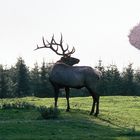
x=62 y=59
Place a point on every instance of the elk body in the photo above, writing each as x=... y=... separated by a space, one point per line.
x=64 y=75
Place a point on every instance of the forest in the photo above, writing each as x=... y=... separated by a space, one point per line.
x=21 y=81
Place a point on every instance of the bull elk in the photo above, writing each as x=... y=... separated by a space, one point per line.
x=65 y=75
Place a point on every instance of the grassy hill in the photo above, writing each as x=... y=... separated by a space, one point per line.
x=118 y=120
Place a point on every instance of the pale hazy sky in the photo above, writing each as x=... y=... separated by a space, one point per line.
x=97 y=28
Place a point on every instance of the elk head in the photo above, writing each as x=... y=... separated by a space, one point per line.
x=56 y=47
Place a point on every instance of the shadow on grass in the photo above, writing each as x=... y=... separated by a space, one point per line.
x=99 y=127
x=74 y=125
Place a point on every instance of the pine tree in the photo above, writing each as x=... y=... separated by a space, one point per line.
x=43 y=81
x=35 y=80
x=111 y=81
x=101 y=88
x=128 y=84
x=12 y=73
x=46 y=89
x=137 y=82
x=114 y=80
x=3 y=83
x=22 y=79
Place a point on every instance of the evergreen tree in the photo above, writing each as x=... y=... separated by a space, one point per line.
x=35 y=80
x=137 y=76
x=111 y=81
x=22 y=79
x=43 y=81
x=3 y=83
x=100 y=67
x=114 y=80
x=137 y=82
x=128 y=84
x=43 y=78
x=12 y=81
x=46 y=89
x=101 y=88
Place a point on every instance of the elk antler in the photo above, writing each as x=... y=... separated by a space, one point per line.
x=53 y=43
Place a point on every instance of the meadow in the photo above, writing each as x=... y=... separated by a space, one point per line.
x=119 y=119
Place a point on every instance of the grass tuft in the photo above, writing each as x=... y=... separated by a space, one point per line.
x=17 y=105
x=48 y=113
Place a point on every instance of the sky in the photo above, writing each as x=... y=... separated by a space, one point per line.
x=98 y=29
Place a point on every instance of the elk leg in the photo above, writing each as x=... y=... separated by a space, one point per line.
x=56 y=96
x=67 y=97
x=93 y=98
x=93 y=106
x=97 y=106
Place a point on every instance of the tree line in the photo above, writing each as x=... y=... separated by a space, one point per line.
x=19 y=81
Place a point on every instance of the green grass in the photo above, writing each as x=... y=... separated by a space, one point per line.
x=118 y=120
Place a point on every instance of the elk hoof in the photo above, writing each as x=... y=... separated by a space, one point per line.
x=91 y=113
x=96 y=114
x=67 y=110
